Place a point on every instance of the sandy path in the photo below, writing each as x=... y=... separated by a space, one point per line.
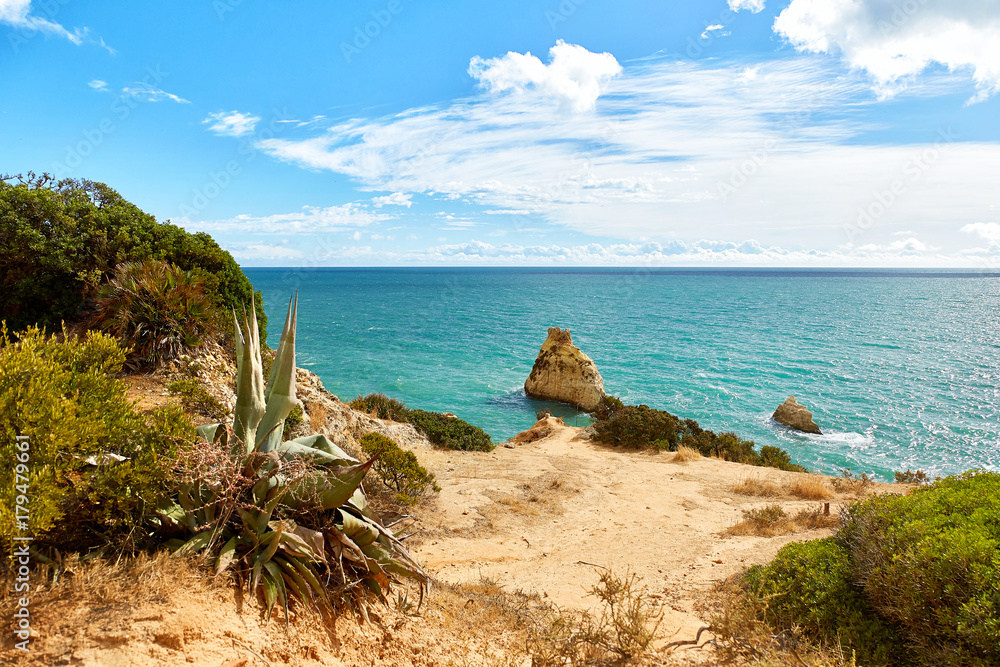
x=540 y=516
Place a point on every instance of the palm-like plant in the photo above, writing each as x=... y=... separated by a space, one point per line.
x=247 y=504
x=158 y=309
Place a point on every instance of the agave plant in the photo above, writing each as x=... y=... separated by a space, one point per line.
x=253 y=525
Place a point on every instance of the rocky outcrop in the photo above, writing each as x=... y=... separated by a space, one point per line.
x=563 y=373
x=794 y=415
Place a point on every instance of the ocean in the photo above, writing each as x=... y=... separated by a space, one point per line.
x=900 y=368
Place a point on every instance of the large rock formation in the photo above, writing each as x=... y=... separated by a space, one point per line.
x=794 y=415
x=563 y=373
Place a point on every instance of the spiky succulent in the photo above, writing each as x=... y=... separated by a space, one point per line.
x=279 y=555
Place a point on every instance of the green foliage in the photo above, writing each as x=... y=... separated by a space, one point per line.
x=62 y=395
x=930 y=562
x=158 y=309
x=398 y=469
x=643 y=427
x=293 y=420
x=441 y=429
x=907 y=580
x=381 y=406
x=809 y=587
x=196 y=398
x=60 y=241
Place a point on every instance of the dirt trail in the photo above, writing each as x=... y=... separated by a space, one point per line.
x=543 y=516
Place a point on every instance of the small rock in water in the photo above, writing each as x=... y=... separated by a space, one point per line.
x=794 y=415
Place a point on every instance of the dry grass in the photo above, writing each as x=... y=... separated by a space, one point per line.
x=743 y=637
x=856 y=485
x=542 y=495
x=810 y=488
x=771 y=521
x=755 y=486
x=317 y=417
x=685 y=454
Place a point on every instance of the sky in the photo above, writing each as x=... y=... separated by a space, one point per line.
x=552 y=133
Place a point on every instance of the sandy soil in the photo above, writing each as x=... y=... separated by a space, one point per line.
x=546 y=515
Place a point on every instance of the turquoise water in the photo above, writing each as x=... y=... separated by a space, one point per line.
x=901 y=369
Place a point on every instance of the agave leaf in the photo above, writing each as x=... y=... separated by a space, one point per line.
x=208 y=431
x=353 y=551
x=171 y=513
x=196 y=543
x=250 y=406
x=309 y=575
x=279 y=584
x=328 y=487
x=359 y=503
x=294 y=449
x=294 y=580
x=270 y=588
x=301 y=541
x=279 y=394
x=360 y=531
x=321 y=442
x=226 y=555
x=273 y=539
x=238 y=338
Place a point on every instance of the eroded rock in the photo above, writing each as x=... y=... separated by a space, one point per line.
x=562 y=372
x=794 y=415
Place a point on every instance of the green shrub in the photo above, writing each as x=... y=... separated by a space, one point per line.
x=808 y=588
x=196 y=398
x=450 y=432
x=930 y=563
x=398 y=469
x=294 y=419
x=381 y=406
x=60 y=241
x=643 y=427
x=441 y=429
x=158 y=309
x=62 y=395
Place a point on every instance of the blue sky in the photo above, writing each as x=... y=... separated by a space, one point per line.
x=572 y=132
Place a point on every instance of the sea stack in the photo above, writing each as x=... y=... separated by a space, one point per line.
x=794 y=415
x=563 y=373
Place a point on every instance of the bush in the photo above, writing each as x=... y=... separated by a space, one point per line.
x=809 y=587
x=929 y=563
x=398 y=469
x=196 y=398
x=381 y=406
x=643 y=427
x=63 y=396
x=158 y=309
x=59 y=241
x=441 y=429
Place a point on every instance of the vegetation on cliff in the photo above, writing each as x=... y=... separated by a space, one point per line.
x=907 y=580
x=643 y=427
x=441 y=429
x=60 y=242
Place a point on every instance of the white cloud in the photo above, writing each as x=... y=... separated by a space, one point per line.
x=893 y=41
x=231 y=123
x=260 y=251
x=714 y=28
x=18 y=14
x=755 y=6
x=98 y=85
x=145 y=92
x=654 y=160
x=395 y=199
x=311 y=219
x=574 y=76
x=989 y=232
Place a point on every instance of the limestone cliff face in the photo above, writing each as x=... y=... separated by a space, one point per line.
x=563 y=373
x=794 y=415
